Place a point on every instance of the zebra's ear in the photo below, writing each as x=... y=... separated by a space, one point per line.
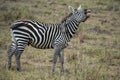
x=79 y=8
x=71 y=9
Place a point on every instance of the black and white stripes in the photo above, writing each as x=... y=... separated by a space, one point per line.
x=43 y=36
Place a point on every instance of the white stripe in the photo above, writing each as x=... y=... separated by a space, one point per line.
x=36 y=35
x=23 y=27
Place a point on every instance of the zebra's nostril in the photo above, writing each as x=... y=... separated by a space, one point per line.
x=87 y=12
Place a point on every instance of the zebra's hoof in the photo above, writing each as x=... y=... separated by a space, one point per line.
x=7 y=66
x=18 y=69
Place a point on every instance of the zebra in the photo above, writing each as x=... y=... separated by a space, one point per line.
x=45 y=36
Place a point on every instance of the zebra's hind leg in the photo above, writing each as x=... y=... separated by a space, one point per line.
x=10 y=53
x=19 y=51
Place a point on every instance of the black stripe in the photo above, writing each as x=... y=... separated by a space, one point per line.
x=47 y=38
x=71 y=28
x=21 y=33
x=32 y=29
x=37 y=35
x=21 y=37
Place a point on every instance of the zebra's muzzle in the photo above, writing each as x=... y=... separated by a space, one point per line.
x=87 y=13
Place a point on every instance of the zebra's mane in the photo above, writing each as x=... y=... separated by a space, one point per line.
x=64 y=19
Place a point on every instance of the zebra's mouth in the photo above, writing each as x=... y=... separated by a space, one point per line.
x=87 y=13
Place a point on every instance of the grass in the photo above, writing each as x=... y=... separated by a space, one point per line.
x=93 y=54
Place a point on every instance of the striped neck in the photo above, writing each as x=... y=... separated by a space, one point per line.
x=71 y=27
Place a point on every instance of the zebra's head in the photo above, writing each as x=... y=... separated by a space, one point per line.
x=79 y=14
x=76 y=15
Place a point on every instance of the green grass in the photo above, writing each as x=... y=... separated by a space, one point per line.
x=93 y=54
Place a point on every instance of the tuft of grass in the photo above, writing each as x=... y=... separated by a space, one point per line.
x=10 y=14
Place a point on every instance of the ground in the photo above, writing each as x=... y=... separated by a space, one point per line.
x=93 y=53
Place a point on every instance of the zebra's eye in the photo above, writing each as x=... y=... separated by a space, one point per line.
x=79 y=14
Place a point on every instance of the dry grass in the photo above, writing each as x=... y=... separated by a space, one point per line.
x=93 y=54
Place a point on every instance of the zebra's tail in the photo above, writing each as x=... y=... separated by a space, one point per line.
x=16 y=23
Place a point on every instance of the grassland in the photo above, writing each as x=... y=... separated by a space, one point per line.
x=93 y=54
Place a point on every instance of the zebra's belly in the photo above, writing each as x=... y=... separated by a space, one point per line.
x=43 y=45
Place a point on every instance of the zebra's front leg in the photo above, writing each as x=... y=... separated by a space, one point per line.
x=61 y=56
x=55 y=56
